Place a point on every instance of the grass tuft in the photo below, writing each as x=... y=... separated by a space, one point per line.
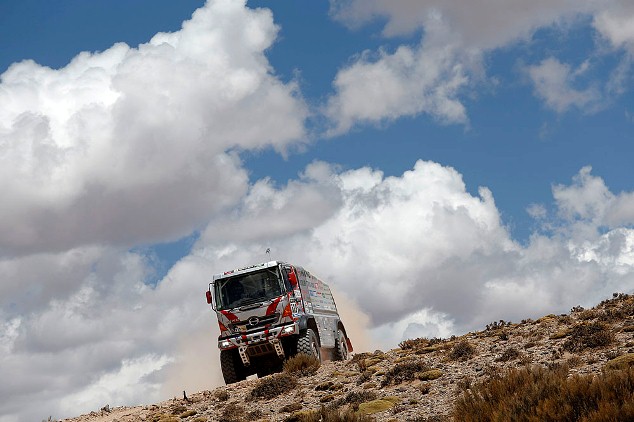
x=549 y=394
x=302 y=365
x=462 y=350
x=509 y=354
x=271 y=387
x=328 y=415
x=406 y=371
x=588 y=336
x=621 y=362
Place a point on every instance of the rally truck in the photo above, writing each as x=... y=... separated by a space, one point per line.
x=269 y=312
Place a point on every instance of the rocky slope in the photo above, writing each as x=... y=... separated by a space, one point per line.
x=419 y=381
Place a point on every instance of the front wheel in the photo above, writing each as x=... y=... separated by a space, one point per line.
x=307 y=343
x=341 y=346
x=232 y=368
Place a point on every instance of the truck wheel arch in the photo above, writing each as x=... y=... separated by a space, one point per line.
x=341 y=327
x=306 y=322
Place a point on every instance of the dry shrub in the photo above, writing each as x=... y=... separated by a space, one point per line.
x=233 y=412
x=364 y=377
x=530 y=344
x=509 y=354
x=302 y=365
x=360 y=360
x=270 y=387
x=574 y=362
x=324 y=386
x=550 y=395
x=419 y=343
x=355 y=397
x=378 y=405
x=365 y=361
x=424 y=388
x=327 y=398
x=293 y=407
x=588 y=314
x=166 y=418
x=564 y=332
x=429 y=375
x=404 y=372
x=255 y=415
x=411 y=343
x=221 y=395
x=464 y=383
x=433 y=418
x=188 y=413
x=619 y=307
x=576 y=309
x=621 y=362
x=588 y=336
x=328 y=415
x=462 y=350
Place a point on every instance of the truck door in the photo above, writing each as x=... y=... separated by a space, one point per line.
x=292 y=282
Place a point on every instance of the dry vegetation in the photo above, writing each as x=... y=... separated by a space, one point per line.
x=574 y=367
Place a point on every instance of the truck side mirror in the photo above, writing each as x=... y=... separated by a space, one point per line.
x=292 y=278
x=208 y=293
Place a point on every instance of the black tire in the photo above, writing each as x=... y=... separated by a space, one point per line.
x=341 y=347
x=307 y=343
x=231 y=365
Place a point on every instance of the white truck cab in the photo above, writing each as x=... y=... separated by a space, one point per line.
x=270 y=311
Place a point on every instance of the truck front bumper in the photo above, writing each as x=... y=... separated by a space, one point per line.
x=253 y=339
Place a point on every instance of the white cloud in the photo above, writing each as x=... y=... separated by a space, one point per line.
x=133 y=144
x=481 y=24
x=419 y=254
x=588 y=203
x=554 y=84
x=119 y=148
x=408 y=82
x=116 y=386
x=416 y=253
x=616 y=24
x=113 y=340
x=434 y=76
x=266 y=213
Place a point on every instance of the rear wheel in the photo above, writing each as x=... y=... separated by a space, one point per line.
x=341 y=346
x=307 y=343
x=232 y=368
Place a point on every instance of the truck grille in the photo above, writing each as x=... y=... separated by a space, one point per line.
x=260 y=349
x=258 y=322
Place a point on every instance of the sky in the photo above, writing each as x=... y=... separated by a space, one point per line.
x=440 y=164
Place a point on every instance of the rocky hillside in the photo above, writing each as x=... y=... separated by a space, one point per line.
x=419 y=381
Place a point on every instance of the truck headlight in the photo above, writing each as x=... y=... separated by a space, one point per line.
x=288 y=330
x=225 y=344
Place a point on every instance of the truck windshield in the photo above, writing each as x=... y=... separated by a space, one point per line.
x=247 y=289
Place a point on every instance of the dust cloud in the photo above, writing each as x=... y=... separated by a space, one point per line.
x=197 y=365
x=356 y=322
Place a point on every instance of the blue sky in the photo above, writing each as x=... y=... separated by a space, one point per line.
x=438 y=163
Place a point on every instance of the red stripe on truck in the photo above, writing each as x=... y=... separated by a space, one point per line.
x=230 y=316
x=273 y=306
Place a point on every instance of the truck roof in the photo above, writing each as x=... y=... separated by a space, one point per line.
x=248 y=269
